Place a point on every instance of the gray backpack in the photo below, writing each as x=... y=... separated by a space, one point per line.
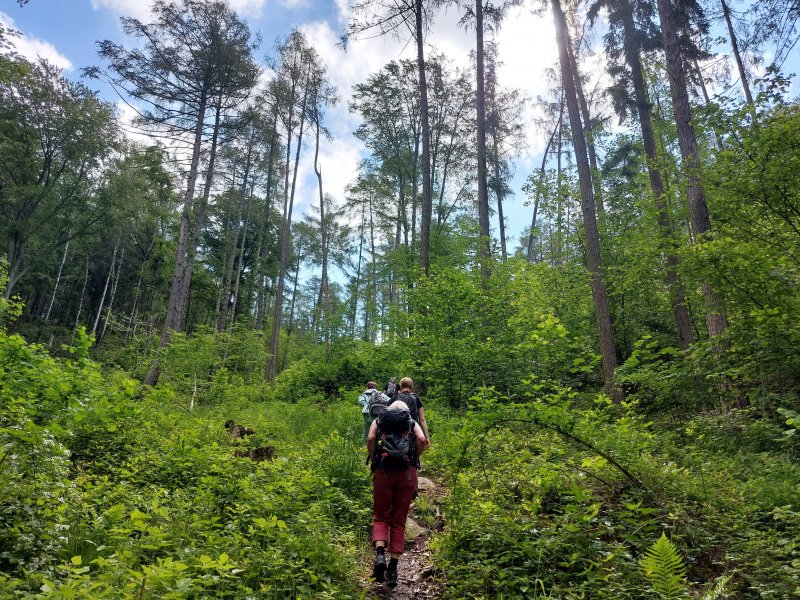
x=377 y=404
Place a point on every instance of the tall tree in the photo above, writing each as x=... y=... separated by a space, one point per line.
x=737 y=55
x=302 y=77
x=716 y=321
x=624 y=43
x=599 y=294
x=325 y=97
x=391 y=18
x=191 y=53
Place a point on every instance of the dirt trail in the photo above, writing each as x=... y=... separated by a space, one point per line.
x=417 y=579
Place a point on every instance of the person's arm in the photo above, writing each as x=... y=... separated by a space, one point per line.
x=424 y=424
x=372 y=437
x=362 y=400
x=422 y=442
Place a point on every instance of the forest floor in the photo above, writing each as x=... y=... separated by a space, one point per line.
x=417 y=577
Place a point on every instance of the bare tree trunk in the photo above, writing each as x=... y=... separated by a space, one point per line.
x=272 y=363
x=172 y=320
x=135 y=309
x=599 y=293
x=358 y=277
x=541 y=181
x=737 y=55
x=80 y=304
x=263 y=246
x=499 y=194
x=113 y=295
x=240 y=264
x=199 y=219
x=291 y=311
x=58 y=281
x=427 y=192
x=559 y=249
x=680 y=309
x=323 y=284
x=484 y=243
x=588 y=132
x=105 y=288
x=222 y=316
x=716 y=320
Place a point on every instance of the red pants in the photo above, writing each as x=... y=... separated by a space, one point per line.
x=392 y=492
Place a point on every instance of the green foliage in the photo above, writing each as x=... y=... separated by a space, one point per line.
x=134 y=496
x=560 y=494
x=665 y=569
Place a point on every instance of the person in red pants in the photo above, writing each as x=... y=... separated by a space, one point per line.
x=395 y=442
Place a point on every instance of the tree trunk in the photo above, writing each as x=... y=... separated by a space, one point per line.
x=135 y=309
x=427 y=193
x=16 y=251
x=113 y=295
x=737 y=55
x=263 y=246
x=172 y=320
x=358 y=277
x=599 y=293
x=58 y=281
x=290 y=327
x=499 y=194
x=222 y=317
x=240 y=264
x=541 y=182
x=680 y=309
x=716 y=321
x=105 y=288
x=323 y=284
x=272 y=363
x=484 y=243
x=588 y=132
x=80 y=304
x=199 y=221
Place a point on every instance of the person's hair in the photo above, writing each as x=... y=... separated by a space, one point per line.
x=406 y=383
x=371 y=385
x=398 y=405
x=393 y=379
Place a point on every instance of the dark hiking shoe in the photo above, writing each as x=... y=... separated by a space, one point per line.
x=379 y=568
x=391 y=578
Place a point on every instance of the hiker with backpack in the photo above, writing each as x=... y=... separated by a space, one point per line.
x=391 y=387
x=406 y=394
x=372 y=403
x=394 y=442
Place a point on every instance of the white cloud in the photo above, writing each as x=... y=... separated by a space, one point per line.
x=32 y=48
x=523 y=37
x=127 y=8
x=295 y=3
x=140 y=9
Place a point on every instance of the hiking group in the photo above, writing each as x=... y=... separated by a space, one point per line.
x=396 y=433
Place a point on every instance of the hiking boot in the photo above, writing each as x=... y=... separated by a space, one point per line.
x=391 y=578
x=379 y=568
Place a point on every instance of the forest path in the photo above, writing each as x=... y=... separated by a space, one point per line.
x=417 y=578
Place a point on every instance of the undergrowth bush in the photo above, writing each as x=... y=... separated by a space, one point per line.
x=561 y=494
x=112 y=491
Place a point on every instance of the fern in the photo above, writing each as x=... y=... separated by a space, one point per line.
x=665 y=569
x=718 y=591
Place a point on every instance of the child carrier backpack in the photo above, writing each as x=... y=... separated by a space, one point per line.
x=396 y=447
x=377 y=404
x=410 y=398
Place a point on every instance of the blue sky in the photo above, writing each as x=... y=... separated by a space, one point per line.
x=65 y=31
